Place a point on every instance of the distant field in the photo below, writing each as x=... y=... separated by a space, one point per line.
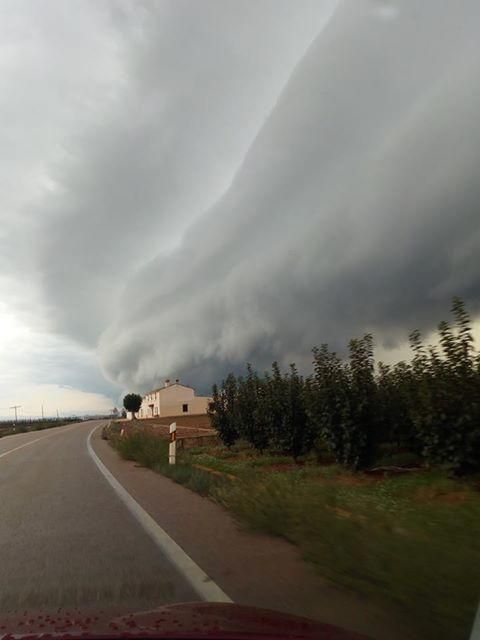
x=410 y=541
x=23 y=426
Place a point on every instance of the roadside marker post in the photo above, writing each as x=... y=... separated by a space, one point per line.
x=172 y=447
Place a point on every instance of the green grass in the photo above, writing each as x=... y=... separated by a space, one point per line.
x=423 y=557
x=411 y=542
x=142 y=447
x=152 y=452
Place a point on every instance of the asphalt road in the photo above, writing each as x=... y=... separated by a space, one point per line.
x=66 y=540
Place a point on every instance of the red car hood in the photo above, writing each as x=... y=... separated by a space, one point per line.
x=188 y=621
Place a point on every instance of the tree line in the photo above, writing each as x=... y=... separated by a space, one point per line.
x=356 y=408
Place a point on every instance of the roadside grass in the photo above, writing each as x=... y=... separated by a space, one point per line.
x=152 y=452
x=411 y=541
x=423 y=556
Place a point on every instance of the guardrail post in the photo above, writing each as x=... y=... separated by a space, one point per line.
x=172 y=447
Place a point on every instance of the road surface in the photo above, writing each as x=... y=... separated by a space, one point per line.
x=66 y=540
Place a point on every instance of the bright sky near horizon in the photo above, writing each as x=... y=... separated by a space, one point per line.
x=188 y=185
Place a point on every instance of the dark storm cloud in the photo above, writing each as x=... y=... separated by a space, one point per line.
x=356 y=207
x=121 y=122
x=195 y=82
x=190 y=185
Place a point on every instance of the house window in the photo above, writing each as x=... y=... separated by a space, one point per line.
x=185 y=408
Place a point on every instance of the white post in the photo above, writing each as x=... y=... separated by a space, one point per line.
x=172 y=447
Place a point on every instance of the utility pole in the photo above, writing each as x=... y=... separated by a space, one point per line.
x=16 y=406
x=57 y=414
x=42 y=411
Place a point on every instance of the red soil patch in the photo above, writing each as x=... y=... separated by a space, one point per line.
x=433 y=494
x=281 y=467
x=456 y=497
x=352 y=481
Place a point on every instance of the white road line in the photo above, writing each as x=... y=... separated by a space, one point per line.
x=21 y=446
x=27 y=444
x=204 y=586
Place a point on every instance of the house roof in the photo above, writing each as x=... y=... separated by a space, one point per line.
x=174 y=384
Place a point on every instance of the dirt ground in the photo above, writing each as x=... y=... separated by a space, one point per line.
x=161 y=426
x=200 y=421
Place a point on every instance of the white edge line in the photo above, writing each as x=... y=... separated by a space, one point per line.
x=204 y=586
x=27 y=444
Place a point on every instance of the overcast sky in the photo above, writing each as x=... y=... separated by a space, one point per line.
x=189 y=184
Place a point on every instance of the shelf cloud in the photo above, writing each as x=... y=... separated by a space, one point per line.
x=355 y=207
x=188 y=186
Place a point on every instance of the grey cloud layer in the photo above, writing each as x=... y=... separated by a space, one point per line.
x=355 y=208
x=196 y=81
x=188 y=185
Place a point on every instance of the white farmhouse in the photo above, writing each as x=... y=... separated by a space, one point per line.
x=173 y=399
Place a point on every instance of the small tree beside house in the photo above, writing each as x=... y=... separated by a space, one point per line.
x=132 y=402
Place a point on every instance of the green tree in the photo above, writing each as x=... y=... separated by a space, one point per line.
x=361 y=426
x=132 y=402
x=395 y=390
x=446 y=407
x=292 y=433
x=251 y=410
x=341 y=403
x=277 y=406
x=328 y=401
x=429 y=406
x=264 y=413
x=224 y=412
